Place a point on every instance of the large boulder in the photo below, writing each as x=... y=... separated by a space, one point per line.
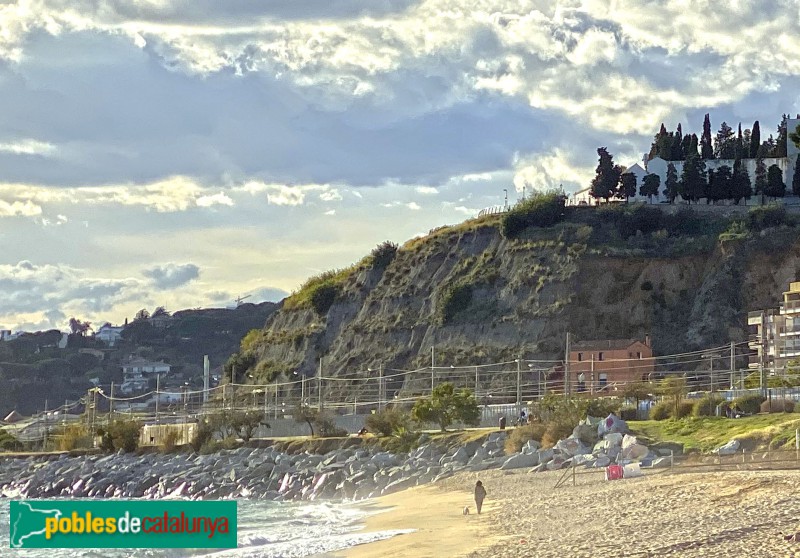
x=531 y=446
x=545 y=455
x=585 y=433
x=520 y=460
x=571 y=446
x=667 y=448
x=730 y=448
x=612 y=423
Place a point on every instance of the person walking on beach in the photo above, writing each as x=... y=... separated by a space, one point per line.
x=480 y=494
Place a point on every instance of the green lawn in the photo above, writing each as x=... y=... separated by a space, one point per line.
x=707 y=433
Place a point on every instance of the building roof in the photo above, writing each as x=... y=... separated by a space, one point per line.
x=140 y=362
x=608 y=344
x=635 y=168
x=13 y=416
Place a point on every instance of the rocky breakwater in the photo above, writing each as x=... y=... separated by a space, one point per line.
x=594 y=442
x=265 y=473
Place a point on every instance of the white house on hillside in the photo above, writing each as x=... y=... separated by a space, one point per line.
x=109 y=334
x=137 y=373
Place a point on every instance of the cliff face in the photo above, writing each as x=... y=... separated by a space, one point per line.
x=527 y=293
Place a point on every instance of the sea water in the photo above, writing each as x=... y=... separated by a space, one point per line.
x=265 y=530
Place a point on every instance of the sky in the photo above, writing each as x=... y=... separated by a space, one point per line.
x=183 y=153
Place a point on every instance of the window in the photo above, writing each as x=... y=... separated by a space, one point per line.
x=599 y=356
x=639 y=355
x=603 y=379
x=580 y=357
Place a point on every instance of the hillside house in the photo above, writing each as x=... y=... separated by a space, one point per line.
x=138 y=372
x=601 y=365
x=109 y=334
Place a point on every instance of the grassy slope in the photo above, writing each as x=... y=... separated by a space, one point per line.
x=707 y=433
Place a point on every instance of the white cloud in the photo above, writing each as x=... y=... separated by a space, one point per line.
x=426 y=190
x=27 y=147
x=414 y=206
x=19 y=209
x=330 y=195
x=285 y=195
x=220 y=198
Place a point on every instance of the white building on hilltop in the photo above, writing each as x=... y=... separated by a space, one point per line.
x=658 y=166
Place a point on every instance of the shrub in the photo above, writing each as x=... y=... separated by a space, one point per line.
x=661 y=410
x=9 y=443
x=326 y=427
x=685 y=409
x=602 y=407
x=456 y=299
x=522 y=434
x=203 y=434
x=387 y=421
x=777 y=406
x=628 y=413
x=707 y=406
x=540 y=210
x=558 y=428
x=125 y=435
x=403 y=441
x=383 y=254
x=749 y=404
x=323 y=297
x=760 y=218
x=75 y=436
x=169 y=441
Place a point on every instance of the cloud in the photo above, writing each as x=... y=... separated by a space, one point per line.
x=426 y=190
x=19 y=209
x=269 y=294
x=27 y=147
x=171 y=275
x=220 y=198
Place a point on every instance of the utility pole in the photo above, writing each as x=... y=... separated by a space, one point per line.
x=433 y=366
x=567 y=378
x=733 y=363
x=158 y=397
x=206 y=378
x=46 y=420
x=111 y=405
x=319 y=387
x=380 y=387
x=519 y=395
x=763 y=375
x=476 y=381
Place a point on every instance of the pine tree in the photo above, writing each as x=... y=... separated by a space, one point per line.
x=740 y=183
x=724 y=144
x=671 y=183
x=627 y=186
x=606 y=180
x=776 y=188
x=796 y=179
x=693 y=182
x=755 y=140
x=706 y=150
x=658 y=142
x=651 y=183
x=719 y=184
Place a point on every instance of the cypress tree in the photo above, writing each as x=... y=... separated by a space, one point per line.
x=671 y=184
x=796 y=179
x=755 y=140
x=606 y=180
x=780 y=148
x=706 y=149
x=740 y=183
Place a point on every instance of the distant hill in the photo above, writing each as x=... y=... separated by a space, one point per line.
x=33 y=369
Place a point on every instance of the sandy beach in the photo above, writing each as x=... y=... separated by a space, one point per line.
x=665 y=514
